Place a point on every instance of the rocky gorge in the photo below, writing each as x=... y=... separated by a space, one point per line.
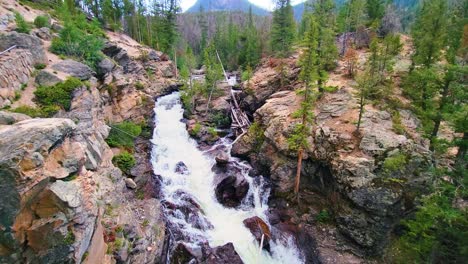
x=65 y=200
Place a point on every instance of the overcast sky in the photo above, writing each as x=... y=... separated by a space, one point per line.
x=268 y=4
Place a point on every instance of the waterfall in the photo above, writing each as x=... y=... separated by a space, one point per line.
x=193 y=213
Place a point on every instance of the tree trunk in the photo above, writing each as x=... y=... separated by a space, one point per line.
x=361 y=110
x=438 y=118
x=298 y=171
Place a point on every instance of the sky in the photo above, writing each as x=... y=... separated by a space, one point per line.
x=267 y=4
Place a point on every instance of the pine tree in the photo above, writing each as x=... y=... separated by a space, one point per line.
x=327 y=52
x=283 y=28
x=375 y=12
x=309 y=75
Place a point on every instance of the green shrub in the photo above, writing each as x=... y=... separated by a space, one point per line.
x=124 y=161
x=139 y=85
x=21 y=25
x=323 y=216
x=123 y=134
x=79 y=43
x=39 y=66
x=220 y=120
x=195 y=130
x=394 y=163
x=396 y=123
x=212 y=131
x=30 y=111
x=53 y=98
x=258 y=135
x=17 y=96
x=41 y=21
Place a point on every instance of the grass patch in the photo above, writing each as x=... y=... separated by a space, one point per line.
x=21 y=25
x=396 y=123
x=30 y=111
x=323 y=216
x=39 y=66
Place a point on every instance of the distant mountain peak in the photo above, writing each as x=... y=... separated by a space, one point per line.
x=227 y=5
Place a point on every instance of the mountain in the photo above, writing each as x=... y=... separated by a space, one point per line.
x=227 y=5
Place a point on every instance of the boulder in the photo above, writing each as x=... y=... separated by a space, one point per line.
x=183 y=254
x=231 y=185
x=24 y=41
x=223 y=255
x=105 y=66
x=222 y=158
x=9 y=118
x=56 y=27
x=152 y=55
x=43 y=33
x=130 y=183
x=259 y=228
x=75 y=69
x=46 y=78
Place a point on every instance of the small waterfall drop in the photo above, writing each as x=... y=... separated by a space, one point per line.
x=194 y=214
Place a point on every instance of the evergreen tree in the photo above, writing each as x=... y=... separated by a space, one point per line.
x=309 y=75
x=327 y=52
x=250 y=52
x=375 y=12
x=283 y=28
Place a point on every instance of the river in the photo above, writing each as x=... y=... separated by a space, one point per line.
x=212 y=222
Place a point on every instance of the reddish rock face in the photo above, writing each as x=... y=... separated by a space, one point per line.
x=259 y=228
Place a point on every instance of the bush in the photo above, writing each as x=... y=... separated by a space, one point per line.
x=123 y=134
x=220 y=120
x=21 y=25
x=396 y=123
x=124 y=161
x=52 y=98
x=195 y=130
x=323 y=216
x=41 y=21
x=39 y=66
x=394 y=163
x=76 y=42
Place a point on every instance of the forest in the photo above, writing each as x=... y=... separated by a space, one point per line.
x=327 y=32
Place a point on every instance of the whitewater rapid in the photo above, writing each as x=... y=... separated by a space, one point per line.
x=172 y=145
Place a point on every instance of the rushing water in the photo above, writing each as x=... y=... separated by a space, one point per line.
x=212 y=223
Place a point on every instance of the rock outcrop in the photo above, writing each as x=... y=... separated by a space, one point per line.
x=368 y=195
x=16 y=68
x=24 y=41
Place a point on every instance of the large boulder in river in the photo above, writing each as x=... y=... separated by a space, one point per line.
x=75 y=69
x=231 y=185
x=24 y=41
x=259 y=228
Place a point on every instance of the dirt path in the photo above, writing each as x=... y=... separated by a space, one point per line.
x=27 y=95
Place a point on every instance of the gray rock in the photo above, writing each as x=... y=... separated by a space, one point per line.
x=8 y=118
x=43 y=33
x=67 y=192
x=24 y=41
x=45 y=78
x=75 y=69
x=152 y=55
x=130 y=183
x=56 y=26
x=105 y=66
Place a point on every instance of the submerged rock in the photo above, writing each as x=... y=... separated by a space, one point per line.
x=259 y=228
x=181 y=168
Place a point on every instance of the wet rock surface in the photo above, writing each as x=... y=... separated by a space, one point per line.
x=231 y=185
x=259 y=229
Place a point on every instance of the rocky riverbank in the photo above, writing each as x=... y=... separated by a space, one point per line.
x=64 y=199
